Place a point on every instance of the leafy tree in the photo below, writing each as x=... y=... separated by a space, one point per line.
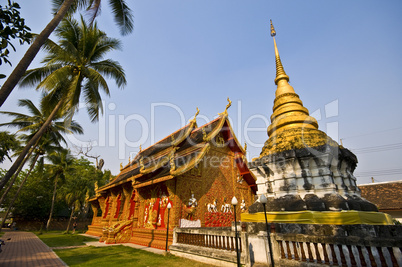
x=122 y=14
x=73 y=67
x=79 y=184
x=34 y=201
x=8 y=143
x=12 y=27
x=35 y=197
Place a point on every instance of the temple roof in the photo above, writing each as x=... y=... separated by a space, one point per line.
x=386 y=195
x=179 y=152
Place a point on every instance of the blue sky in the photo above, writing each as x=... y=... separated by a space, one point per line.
x=343 y=59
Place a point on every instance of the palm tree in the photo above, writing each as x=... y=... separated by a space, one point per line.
x=75 y=198
x=122 y=15
x=73 y=67
x=32 y=123
x=61 y=163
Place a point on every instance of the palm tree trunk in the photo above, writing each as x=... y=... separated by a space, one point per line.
x=15 y=177
x=30 y=143
x=19 y=189
x=24 y=63
x=53 y=200
x=71 y=216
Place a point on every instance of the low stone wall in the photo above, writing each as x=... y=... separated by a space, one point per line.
x=215 y=246
x=320 y=245
x=293 y=245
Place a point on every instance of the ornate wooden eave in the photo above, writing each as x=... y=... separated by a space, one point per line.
x=193 y=162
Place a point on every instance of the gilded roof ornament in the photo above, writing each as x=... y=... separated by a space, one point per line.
x=195 y=116
x=245 y=146
x=225 y=113
x=140 y=148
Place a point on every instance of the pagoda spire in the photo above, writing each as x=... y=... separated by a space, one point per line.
x=280 y=71
x=291 y=125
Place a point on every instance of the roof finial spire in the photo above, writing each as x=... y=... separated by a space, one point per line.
x=225 y=113
x=280 y=72
x=273 y=32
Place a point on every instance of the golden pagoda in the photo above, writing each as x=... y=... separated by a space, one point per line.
x=291 y=126
x=300 y=168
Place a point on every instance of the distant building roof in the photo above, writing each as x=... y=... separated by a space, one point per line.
x=386 y=195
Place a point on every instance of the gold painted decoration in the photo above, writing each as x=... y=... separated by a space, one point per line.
x=204 y=135
x=142 y=166
x=172 y=164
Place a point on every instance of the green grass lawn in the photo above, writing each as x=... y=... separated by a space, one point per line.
x=64 y=240
x=108 y=256
x=120 y=256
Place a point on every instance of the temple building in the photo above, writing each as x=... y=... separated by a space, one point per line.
x=182 y=187
x=300 y=167
x=197 y=170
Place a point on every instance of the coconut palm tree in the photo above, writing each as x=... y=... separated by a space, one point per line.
x=61 y=163
x=32 y=123
x=73 y=67
x=122 y=15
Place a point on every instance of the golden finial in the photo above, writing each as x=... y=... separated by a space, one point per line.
x=228 y=105
x=273 y=32
x=194 y=120
x=225 y=113
x=280 y=71
x=140 y=148
x=121 y=165
x=196 y=114
x=245 y=146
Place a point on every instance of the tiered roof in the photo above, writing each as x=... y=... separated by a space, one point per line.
x=179 y=152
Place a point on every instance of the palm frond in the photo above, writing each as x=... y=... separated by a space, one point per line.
x=111 y=69
x=122 y=16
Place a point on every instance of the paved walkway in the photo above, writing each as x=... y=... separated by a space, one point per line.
x=25 y=249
